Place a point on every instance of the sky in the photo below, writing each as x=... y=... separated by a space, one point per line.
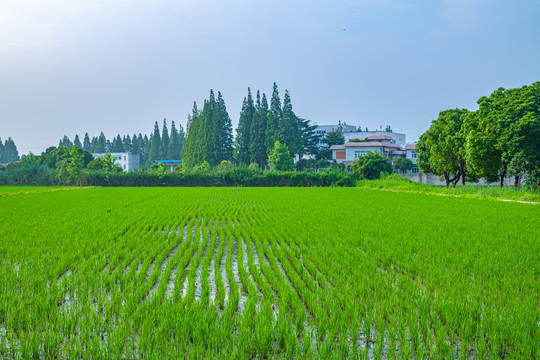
x=69 y=67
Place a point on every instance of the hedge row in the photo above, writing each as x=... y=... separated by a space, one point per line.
x=237 y=177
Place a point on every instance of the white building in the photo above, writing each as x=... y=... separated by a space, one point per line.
x=126 y=160
x=324 y=129
x=397 y=138
x=383 y=144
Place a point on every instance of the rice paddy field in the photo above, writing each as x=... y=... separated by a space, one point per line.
x=347 y=273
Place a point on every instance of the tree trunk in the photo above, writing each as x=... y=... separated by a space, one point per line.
x=462 y=170
x=503 y=175
x=517 y=181
x=447 y=179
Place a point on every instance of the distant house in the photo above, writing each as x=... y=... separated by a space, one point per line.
x=383 y=144
x=324 y=129
x=170 y=164
x=126 y=160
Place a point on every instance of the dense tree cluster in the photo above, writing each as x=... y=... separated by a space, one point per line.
x=160 y=145
x=261 y=125
x=8 y=151
x=501 y=138
x=208 y=134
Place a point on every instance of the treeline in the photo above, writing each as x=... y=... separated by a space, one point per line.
x=73 y=166
x=160 y=144
x=209 y=131
x=501 y=138
x=8 y=151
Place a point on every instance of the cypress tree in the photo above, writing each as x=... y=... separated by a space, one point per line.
x=289 y=130
x=94 y=146
x=117 y=144
x=77 y=142
x=243 y=136
x=181 y=138
x=11 y=153
x=172 y=151
x=155 y=147
x=224 y=131
x=127 y=143
x=164 y=146
x=135 y=145
x=274 y=118
x=211 y=126
x=101 y=146
x=257 y=147
x=87 y=146
x=65 y=142
x=2 y=152
x=192 y=131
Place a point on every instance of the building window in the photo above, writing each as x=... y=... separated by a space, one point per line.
x=124 y=157
x=415 y=170
x=413 y=154
x=357 y=154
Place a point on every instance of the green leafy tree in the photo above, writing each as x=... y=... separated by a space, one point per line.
x=274 y=118
x=279 y=159
x=508 y=121
x=403 y=164
x=225 y=166
x=441 y=149
x=371 y=166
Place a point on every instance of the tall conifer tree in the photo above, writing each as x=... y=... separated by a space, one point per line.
x=289 y=130
x=243 y=136
x=77 y=142
x=87 y=146
x=164 y=140
x=274 y=118
x=155 y=146
x=257 y=146
x=2 y=152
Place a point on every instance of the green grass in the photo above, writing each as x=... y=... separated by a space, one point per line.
x=398 y=183
x=303 y=272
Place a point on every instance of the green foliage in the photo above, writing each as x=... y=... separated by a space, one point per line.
x=441 y=149
x=8 y=151
x=403 y=164
x=289 y=128
x=371 y=166
x=331 y=138
x=225 y=166
x=279 y=158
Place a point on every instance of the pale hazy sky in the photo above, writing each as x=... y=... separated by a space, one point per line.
x=70 y=67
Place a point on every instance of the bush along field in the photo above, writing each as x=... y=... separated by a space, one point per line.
x=267 y=273
x=395 y=182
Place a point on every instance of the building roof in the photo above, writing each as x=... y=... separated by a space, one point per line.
x=410 y=146
x=398 y=152
x=371 y=144
x=380 y=137
x=337 y=147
